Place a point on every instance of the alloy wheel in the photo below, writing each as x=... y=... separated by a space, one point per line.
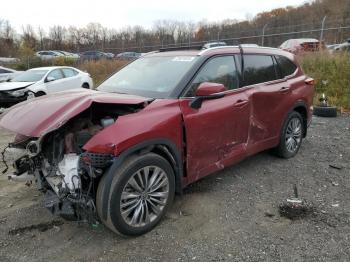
x=293 y=134
x=144 y=196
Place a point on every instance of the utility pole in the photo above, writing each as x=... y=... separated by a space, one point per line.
x=322 y=28
x=263 y=34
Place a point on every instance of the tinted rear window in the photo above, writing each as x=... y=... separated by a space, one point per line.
x=286 y=66
x=258 y=69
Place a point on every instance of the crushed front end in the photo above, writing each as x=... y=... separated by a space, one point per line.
x=66 y=173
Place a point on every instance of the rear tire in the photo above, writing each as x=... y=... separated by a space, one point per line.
x=325 y=111
x=86 y=86
x=135 y=203
x=291 y=136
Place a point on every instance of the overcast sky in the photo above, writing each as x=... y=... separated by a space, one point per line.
x=118 y=14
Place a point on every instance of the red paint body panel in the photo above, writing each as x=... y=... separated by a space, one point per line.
x=216 y=134
x=159 y=120
x=36 y=117
x=220 y=133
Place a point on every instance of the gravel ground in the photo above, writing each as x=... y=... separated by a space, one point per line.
x=229 y=216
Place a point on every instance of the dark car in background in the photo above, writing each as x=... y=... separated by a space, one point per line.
x=94 y=55
x=296 y=46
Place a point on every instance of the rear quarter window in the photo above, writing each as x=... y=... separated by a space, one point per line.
x=68 y=72
x=286 y=67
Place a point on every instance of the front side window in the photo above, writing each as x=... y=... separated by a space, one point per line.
x=286 y=66
x=258 y=69
x=56 y=74
x=220 y=70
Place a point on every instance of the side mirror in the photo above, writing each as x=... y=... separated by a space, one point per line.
x=50 y=79
x=207 y=91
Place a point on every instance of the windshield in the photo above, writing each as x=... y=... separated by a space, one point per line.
x=30 y=76
x=154 y=77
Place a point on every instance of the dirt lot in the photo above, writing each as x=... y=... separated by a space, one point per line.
x=229 y=216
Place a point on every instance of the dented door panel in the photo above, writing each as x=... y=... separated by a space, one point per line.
x=216 y=134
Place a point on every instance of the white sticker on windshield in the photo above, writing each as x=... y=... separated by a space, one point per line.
x=183 y=58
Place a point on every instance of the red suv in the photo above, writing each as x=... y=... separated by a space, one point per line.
x=119 y=154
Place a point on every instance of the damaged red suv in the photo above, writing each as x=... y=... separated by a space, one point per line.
x=119 y=154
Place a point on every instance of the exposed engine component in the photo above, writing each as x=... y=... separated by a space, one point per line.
x=69 y=168
x=107 y=121
x=61 y=168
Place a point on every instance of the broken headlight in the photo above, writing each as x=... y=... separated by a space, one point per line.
x=33 y=148
x=18 y=93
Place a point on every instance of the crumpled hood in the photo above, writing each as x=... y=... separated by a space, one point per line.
x=7 y=86
x=38 y=116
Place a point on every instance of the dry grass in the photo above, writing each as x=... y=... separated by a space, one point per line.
x=332 y=75
x=101 y=69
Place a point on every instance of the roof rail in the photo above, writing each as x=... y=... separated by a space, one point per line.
x=192 y=47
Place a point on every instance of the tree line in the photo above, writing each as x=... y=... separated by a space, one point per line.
x=94 y=36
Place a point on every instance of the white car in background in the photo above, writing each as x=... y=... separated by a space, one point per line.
x=48 y=55
x=7 y=74
x=68 y=54
x=41 y=81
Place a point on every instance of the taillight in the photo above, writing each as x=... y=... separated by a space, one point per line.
x=310 y=81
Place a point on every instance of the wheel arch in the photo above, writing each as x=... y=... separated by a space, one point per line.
x=301 y=108
x=40 y=93
x=162 y=147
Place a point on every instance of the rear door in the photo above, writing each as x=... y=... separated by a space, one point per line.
x=72 y=78
x=269 y=92
x=217 y=132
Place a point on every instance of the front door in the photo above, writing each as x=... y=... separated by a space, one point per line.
x=216 y=134
x=58 y=81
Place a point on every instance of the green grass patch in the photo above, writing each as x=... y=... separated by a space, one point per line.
x=332 y=75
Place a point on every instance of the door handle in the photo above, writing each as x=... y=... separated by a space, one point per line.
x=284 y=89
x=240 y=103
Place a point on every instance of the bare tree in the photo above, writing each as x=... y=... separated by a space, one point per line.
x=41 y=34
x=28 y=37
x=57 y=36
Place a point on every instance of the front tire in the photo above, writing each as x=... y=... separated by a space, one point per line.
x=40 y=93
x=291 y=136
x=142 y=190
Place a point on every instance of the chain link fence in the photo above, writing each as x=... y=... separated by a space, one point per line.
x=330 y=32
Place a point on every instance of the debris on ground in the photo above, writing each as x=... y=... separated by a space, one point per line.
x=269 y=214
x=296 y=208
x=335 y=166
